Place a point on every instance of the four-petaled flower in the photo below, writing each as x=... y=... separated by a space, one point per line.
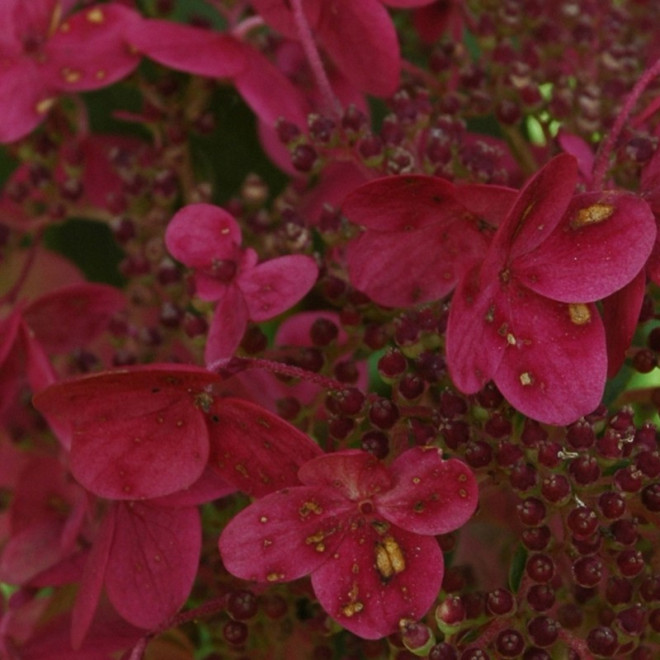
x=43 y=54
x=524 y=316
x=364 y=531
x=208 y=239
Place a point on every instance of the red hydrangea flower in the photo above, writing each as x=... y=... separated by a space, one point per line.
x=43 y=55
x=525 y=317
x=364 y=531
x=208 y=239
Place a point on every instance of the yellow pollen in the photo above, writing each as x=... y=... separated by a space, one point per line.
x=71 y=75
x=389 y=558
x=101 y=74
x=65 y=27
x=579 y=313
x=43 y=106
x=510 y=339
x=525 y=378
x=592 y=215
x=274 y=577
x=95 y=15
x=310 y=507
x=352 y=608
x=416 y=480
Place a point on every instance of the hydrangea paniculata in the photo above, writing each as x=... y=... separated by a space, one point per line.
x=208 y=239
x=363 y=531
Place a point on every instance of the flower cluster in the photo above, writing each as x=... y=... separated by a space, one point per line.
x=329 y=329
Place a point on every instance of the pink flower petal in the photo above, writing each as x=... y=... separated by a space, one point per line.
x=584 y=258
x=70 y=317
x=228 y=325
x=153 y=561
x=377 y=576
x=539 y=208
x=361 y=39
x=134 y=433
x=620 y=317
x=275 y=286
x=431 y=495
x=403 y=203
x=474 y=345
x=254 y=450
x=284 y=535
x=198 y=234
x=354 y=473
x=189 y=49
x=555 y=361
x=91 y=581
x=399 y=269
x=89 y=49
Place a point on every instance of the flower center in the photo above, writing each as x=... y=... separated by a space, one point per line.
x=223 y=270
x=366 y=507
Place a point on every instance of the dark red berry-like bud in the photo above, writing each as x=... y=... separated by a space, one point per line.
x=499 y=602
x=536 y=538
x=531 y=511
x=602 y=641
x=540 y=568
x=543 y=630
x=541 y=597
x=383 y=413
x=582 y=521
x=588 y=571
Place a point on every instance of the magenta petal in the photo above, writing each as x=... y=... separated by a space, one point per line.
x=354 y=473
x=210 y=486
x=255 y=450
x=555 y=363
x=153 y=561
x=190 y=49
x=89 y=50
x=200 y=233
x=585 y=258
x=375 y=578
x=474 y=346
x=70 y=317
x=275 y=286
x=620 y=317
x=228 y=325
x=91 y=582
x=134 y=432
x=398 y=269
x=284 y=535
x=539 y=208
x=361 y=39
x=430 y=495
x=402 y=203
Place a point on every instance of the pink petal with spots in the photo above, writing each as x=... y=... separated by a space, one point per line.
x=89 y=49
x=210 y=486
x=539 y=208
x=430 y=495
x=474 y=344
x=585 y=259
x=25 y=99
x=189 y=49
x=200 y=233
x=254 y=450
x=555 y=362
x=284 y=535
x=70 y=317
x=377 y=576
x=152 y=562
x=353 y=473
x=228 y=325
x=620 y=317
x=275 y=286
x=134 y=433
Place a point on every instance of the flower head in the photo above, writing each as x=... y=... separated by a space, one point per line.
x=362 y=530
x=208 y=239
x=525 y=317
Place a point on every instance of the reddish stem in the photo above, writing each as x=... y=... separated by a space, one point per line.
x=314 y=58
x=603 y=157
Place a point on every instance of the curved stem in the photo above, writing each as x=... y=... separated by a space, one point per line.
x=603 y=157
x=313 y=57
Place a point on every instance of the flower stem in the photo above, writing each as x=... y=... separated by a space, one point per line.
x=314 y=58
x=603 y=157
